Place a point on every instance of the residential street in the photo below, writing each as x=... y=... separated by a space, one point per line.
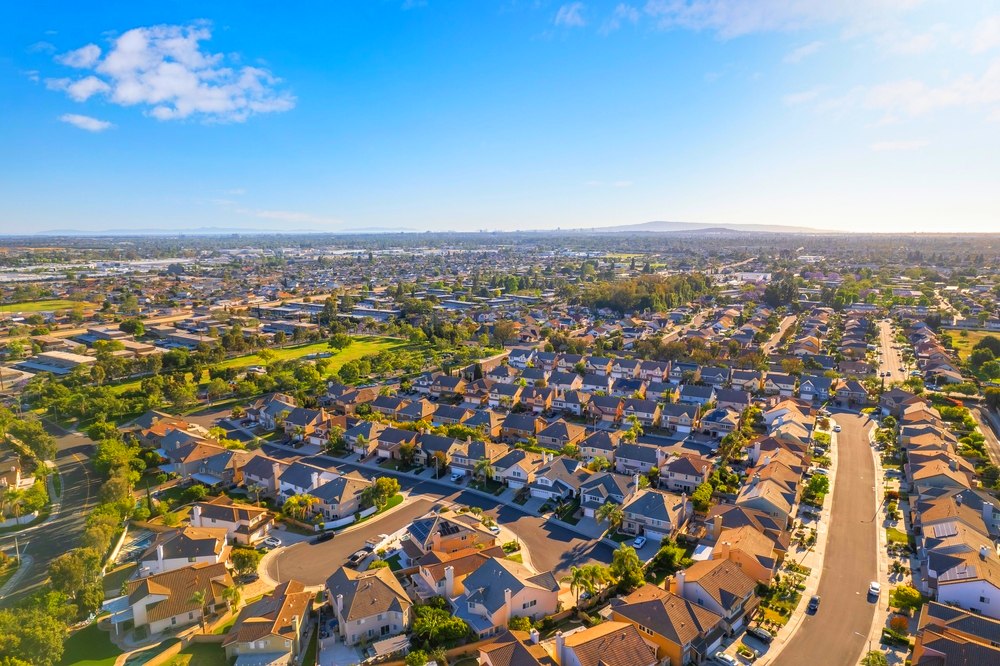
x=550 y=546
x=773 y=341
x=837 y=634
x=62 y=531
x=892 y=360
x=989 y=425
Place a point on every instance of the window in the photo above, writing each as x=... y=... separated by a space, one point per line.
x=984 y=600
x=528 y=604
x=173 y=620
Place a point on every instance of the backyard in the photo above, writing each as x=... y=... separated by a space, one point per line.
x=200 y=654
x=89 y=647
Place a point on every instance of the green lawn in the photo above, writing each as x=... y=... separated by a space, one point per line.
x=43 y=306
x=89 y=647
x=896 y=536
x=964 y=341
x=309 y=657
x=200 y=654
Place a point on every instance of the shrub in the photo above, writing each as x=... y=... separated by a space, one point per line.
x=900 y=624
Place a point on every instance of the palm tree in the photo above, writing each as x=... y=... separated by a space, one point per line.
x=255 y=489
x=232 y=596
x=200 y=598
x=579 y=580
x=612 y=514
x=600 y=576
x=15 y=500
x=483 y=468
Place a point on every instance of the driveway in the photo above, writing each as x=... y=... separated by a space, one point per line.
x=837 y=634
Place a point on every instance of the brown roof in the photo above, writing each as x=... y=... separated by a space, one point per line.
x=514 y=648
x=672 y=617
x=179 y=586
x=722 y=580
x=274 y=614
x=367 y=593
x=610 y=644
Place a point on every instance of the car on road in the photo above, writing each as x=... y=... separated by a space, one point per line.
x=727 y=659
x=639 y=542
x=813 y=603
x=325 y=536
x=355 y=560
x=272 y=542
x=494 y=529
x=836 y=428
x=874 y=589
x=761 y=634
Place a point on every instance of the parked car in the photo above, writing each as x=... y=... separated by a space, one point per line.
x=456 y=477
x=814 y=603
x=874 y=589
x=272 y=542
x=836 y=428
x=494 y=528
x=761 y=634
x=355 y=560
x=727 y=659
x=639 y=542
x=325 y=536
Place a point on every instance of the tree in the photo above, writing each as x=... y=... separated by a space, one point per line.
x=381 y=491
x=216 y=389
x=32 y=635
x=433 y=626
x=298 y=506
x=792 y=366
x=67 y=573
x=340 y=341
x=416 y=658
x=612 y=514
x=246 y=560
x=504 y=331
x=232 y=596
x=200 y=599
x=132 y=326
x=702 y=497
x=580 y=579
x=905 y=596
x=599 y=464
x=483 y=469
x=875 y=658
x=627 y=568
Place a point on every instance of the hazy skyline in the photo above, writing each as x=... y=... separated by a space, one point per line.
x=877 y=115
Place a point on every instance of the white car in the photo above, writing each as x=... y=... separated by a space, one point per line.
x=639 y=542
x=494 y=529
x=836 y=428
x=272 y=542
x=874 y=589
x=456 y=477
x=727 y=659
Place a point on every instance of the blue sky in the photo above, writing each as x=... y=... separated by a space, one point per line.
x=862 y=115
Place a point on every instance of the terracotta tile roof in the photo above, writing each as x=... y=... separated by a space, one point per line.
x=178 y=586
x=610 y=644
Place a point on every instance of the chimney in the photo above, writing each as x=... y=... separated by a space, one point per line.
x=755 y=478
x=275 y=472
x=449 y=581
x=635 y=482
x=534 y=636
x=679 y=583
x=755 y=452
x=295 y=625
x=159 y=557
x=953 y=464
x=560 y=647
x=196 y=516
x=716 y=527
x=340 y=604
x=684 y=506
x=468 y=439
x=767 y=460
x=314 y=479
x=506 y=598
x=984 y=551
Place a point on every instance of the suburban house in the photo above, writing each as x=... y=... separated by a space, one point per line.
x=779 y=383
x=165 y=601
x=646 y=411
x=693 y=394
x=602 y=487
x=722 y=587
x=262 y=472
x=571 y=402
x=683 y=473
x=682 y=631
x=443 y=574
x=267 y=411
x=655 y=514
x=632 y=458
x=272 y=629
x=520 y=426
x=717 y=377
x=368 y=605
x=179 y=548
x=466 y=455
x=750 y=550
x=559 y=433
x=600 y=443
x=720 y=421
x=560 y=478
x=515 y=648
x=679 y=418
x=445 y=535
x=501 y=589
x=733 y=398
x=517 y=468
x=340 y=497
x=245 y=524
x=607 y=408
x=606 y=644
x=363 y=437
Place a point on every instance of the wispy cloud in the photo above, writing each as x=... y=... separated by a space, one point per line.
x=85 y=122
x=570 y=15
x=803 y=52
x=164 y=70
x=803 y=96
x=624 y=13
x=986 y=35
x=898 y=146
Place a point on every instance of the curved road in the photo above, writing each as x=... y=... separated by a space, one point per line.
x=550 y=547
x=837 y=634
x=63 y=529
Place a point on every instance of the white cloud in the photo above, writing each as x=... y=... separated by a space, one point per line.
x=733 y=18
x=803 y=52
x=164 y=70
x=912 y=97
x=986 y=35
x=897 y=146
x=571 y=15
x=85 y=122
x=82 y=58
x=42 y=47
x=624 y=13
x=802 y=97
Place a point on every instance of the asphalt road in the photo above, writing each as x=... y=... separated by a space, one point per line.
x=892 y=360
x=836 y=635
x=63 y=530
x=550 y=547
x=773 y=341
x=987 y=420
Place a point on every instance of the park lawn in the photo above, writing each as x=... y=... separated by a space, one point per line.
x=201 y=654
x=89 y=647
x=52 y=304
x=362 y=346
x=964 y=343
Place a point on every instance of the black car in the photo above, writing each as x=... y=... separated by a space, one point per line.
x=761 y=634
x=325 y=536
x=814 y=603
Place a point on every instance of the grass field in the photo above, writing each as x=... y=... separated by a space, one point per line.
x=362 y=346
x=964 y=343
x=200 y=654
x=42 y=306
x=89 y=647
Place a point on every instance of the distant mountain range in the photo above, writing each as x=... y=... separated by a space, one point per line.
x=215 y=231
x=700 y=227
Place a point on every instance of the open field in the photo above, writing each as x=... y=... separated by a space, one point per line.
x=43 y=306
x=200 y=654
x=964 y=341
